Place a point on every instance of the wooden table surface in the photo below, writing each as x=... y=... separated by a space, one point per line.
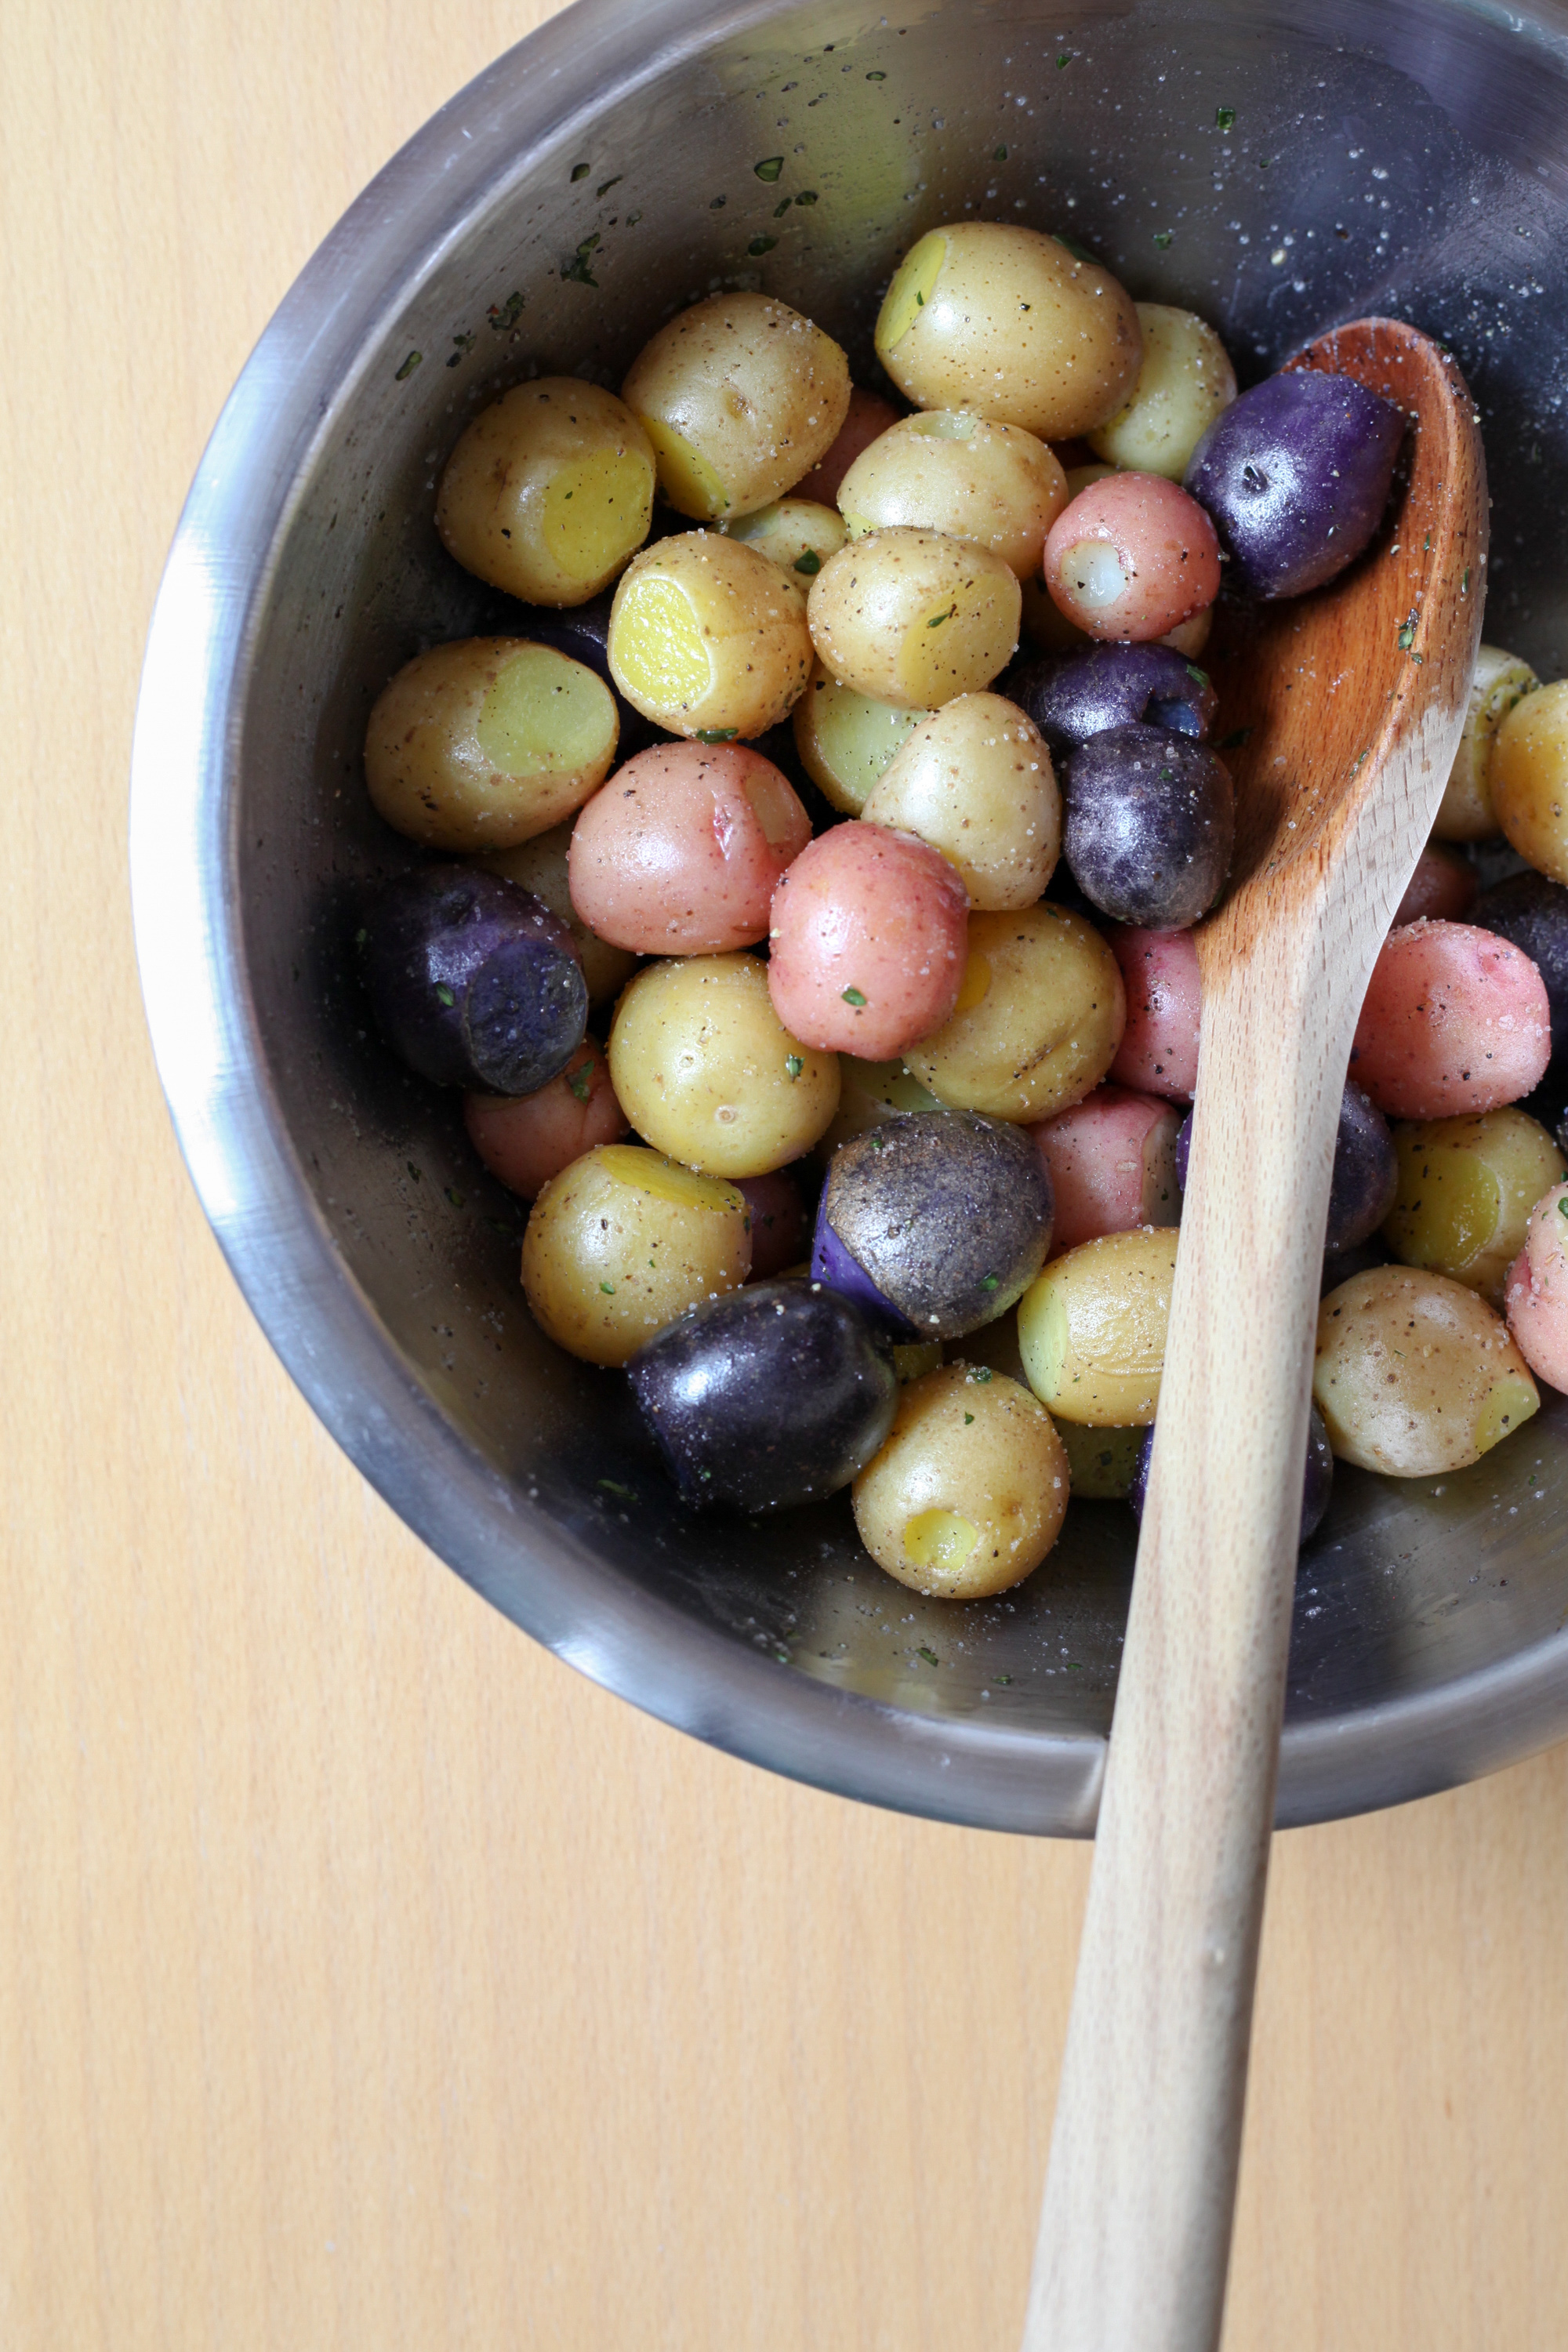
x=368 y=1979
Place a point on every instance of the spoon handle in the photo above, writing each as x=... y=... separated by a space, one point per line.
x=1135 y=2227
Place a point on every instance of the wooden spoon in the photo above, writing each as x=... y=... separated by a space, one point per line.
x=1354 y=698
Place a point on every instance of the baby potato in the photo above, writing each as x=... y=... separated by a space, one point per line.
x=679 y=855
x=706 y=1070
x=1133 y=556
x=621 y=1242
x=1185 y=380
x=869 y=1094
x=1415 y=1374
x=969 y=1493
x=846 y=740
x=1467 y=1187
x=1091 y=1328
x=865 y=941
x=1038 y=1018
x=1102 y=1463
x=549 y=492
x=525 y=1139
x=975 y=781
x=794 y=533
x=957 y=473
x=1005 y=321
x=1528 y=777
x=912 y=617
x=1538 y=1290
x=739 y=397
x=1500 y=681
x=1112 y=1160
x=708 y=637
x=869 y=414
x=1455 y=1020
x=1159 y=1048
x=540 y=865
x=482 y=743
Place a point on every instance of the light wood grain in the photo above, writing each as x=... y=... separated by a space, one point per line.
x=367 y=1978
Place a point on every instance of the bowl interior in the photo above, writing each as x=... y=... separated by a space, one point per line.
x=1275 y=172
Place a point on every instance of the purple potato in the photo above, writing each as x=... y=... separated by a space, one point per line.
x=1366 y=1177
x=1317 y=1481
x=944 y=1217
x=832 y=1264
x=475 y=983
x=1151 y=822
x=1295 y=475
x=1532 y=913
x=1071 y=697
x=771 y=1396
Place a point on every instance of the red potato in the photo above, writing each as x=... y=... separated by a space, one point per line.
x=679 y=854
x=1444 y=885
x=1536 y=1294
x=869 y=419
x=1159 y=1048
x=1112 y=1160
x=525 y=1139
x=1456 y=1020
x=1131 y=556
x=870 y=935
x=781 y=1224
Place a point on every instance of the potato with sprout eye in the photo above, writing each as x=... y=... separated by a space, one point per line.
x=912 y=617
x=975 y=781
x=981 y=315
x=549 y=492
x=961 y=474
x=969 y=1493
x=708 y=638
x=482 y=744
x=739 y=397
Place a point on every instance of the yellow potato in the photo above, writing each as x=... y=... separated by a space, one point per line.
x=1185 y=383
x=1528 y=777
x=1040 y=1015
x=1091 y=1328
x=621 y=1242
x=912 y=617
x=968 y=1494
x=1467 y=1187
x=797 y=534
x=549 y=492
x=1006 y=322
x=958 y=474
x=705 y=1069
x=707 y=638
x=1500 y=681
x=975 y=781
x=846 y=740
x=739 y=397
x=1415 y=1374
x=483 y=744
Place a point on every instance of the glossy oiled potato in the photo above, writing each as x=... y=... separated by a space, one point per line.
x=1038 y=1019
x=912 y=617
x=1467 y=1187
x=740 y=397
x=549 y=492
x=1006 y=321
x=483 y=744
x=1500 y=681
x=974 y=779
x=707 y=637
x=952 y=471
x=706 y=1070
x=796 y=534
x=1528 y=777
x=1091 y=1328
x=846 y=740
x=1415 y=1374
x=1185 y=380
x=968 y=1494
x=1538 y=1289
x=621 y=1242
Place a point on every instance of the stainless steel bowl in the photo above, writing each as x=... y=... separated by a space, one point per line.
x=1275 y=168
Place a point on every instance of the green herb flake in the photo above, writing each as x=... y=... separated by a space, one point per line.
x=938 y=618
x=875 y=77
x=760 y=245
x=999 y=155
x=853 y=996
x=505 y=315
x=807 y=196
x=1199 y=677
x=359 y=936
x=769 y=168
x=810 y=563
x=633 y=218
x=1064 y=58
x=717 y=734
x=928 y=1655
x=793 y=1064
x=1001 y=1678
x=1465 y=583
x=445 y=993
x=413 y=1171
x=1161 y=238
x=605 y=185
x=1235 y=740
x=1563 y=1206
x=409 y=364
x=981 y=1372
x=1079 y=252
x=579 y=171
x=1223 y=116
x=581 y=1080
x=577 y=271
x=455 y=1197
x=990 y=1282
x=1406 y=637
x=608 y=1288
x=968 y=1420
x=783 y=206
x=613 y=1486
x=1426 y=544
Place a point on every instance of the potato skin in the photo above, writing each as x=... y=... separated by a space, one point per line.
x=867 y=941
x=969 y=1493
x=525 y=1139
x=963 y=476
x=1537 y=1291
x=1529 y=779
x=1091 y=1329
x=708 y=637
x=1501 y=680
x=1415 y=1374
x=739 y=397
x=975 y=781
x=1008 y=323
x=540 y=864
x=1185 y=381
x=1038 y=1018
x=912 y=617
x=1455 y=1020
x=1467 y=1187
x=528 y=472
